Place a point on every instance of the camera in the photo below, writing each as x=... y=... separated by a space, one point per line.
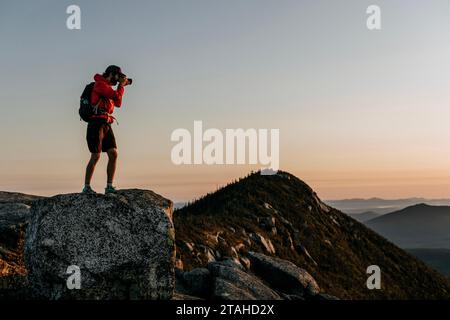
x=129 y=80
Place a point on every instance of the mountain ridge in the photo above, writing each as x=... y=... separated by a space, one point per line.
x=282 y=216
x=380 y=205
x=416 y=226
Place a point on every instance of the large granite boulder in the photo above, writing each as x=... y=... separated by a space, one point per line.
x=15 y=197
x=283 y=275
x=198 y=281
x=232 y=283
x=121 y=245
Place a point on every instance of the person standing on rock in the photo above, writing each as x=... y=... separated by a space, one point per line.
x=100 y=136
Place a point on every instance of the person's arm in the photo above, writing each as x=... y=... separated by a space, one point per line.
x=120 y=90
x=105 y=91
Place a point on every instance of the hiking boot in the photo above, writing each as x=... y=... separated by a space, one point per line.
x=110 y=189
x=88 y=190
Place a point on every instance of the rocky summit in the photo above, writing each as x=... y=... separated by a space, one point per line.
x=259 y=238
x=118 y=246
x=277 y=229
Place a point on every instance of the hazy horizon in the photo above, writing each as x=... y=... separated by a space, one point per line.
x=218 y=186
x=361 y=113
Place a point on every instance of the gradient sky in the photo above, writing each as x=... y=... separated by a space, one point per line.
x=360 y=113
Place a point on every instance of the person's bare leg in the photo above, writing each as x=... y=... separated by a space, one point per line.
x=112 y=163
x=91 y=167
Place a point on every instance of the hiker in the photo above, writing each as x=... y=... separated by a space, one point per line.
x=100 y=136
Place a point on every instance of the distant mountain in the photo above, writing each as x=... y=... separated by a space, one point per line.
x=436 y=258
x=381 y=206
x=418 y=226
x=178 y=205
x=281 y=216
x=365 y=216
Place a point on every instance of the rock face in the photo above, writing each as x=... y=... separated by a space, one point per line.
x=232 y=283
x=13 y=216
x=122 y=243
x=267 y=244
x=268 y=279
x=14 y=197
x=198 y=281
x=13 y=220
x=284 y=275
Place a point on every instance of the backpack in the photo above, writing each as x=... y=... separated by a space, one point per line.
x=87 y=110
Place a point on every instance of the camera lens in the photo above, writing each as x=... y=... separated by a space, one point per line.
x=130 y=81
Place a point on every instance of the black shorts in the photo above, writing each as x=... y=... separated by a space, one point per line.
x=100 y=136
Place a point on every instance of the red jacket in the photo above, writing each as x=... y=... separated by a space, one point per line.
x=109 y=98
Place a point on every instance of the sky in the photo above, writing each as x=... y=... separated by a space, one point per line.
x=361 y=113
